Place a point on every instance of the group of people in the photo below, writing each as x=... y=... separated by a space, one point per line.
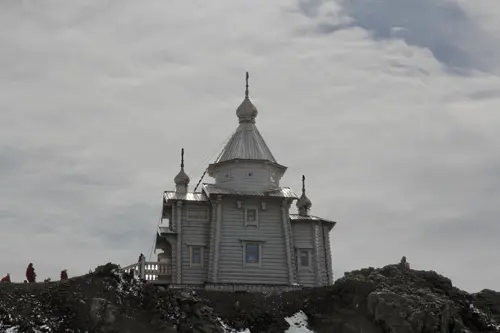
x=31 y=275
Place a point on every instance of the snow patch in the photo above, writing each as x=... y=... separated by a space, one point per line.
x=298 y=323
x=228 y=329
x=11 y=330
x=491 y=322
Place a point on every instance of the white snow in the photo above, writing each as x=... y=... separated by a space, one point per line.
x=12 y=330
x=228 y=329
x=298 y=323
x=492 y=323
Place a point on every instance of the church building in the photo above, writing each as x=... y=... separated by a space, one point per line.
x=237 y=232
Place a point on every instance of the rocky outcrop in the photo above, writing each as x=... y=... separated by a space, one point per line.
x=392 y=299
x=489 y=301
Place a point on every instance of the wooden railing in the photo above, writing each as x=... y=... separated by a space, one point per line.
x=150 y=270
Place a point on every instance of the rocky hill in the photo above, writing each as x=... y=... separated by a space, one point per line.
x=391 y=299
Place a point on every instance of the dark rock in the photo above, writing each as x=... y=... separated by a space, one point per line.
x=102 y=314
x=393 y=299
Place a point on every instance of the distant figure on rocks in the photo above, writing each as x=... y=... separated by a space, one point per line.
x=6 y=278
x=30 y=273
x=64 y=274
x=403 y=264
x=142 y=259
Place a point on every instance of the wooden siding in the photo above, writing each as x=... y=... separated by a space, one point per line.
x=211 y=247
x=172 y=239
x=273 y=268
x=292 y=248
x=303 y=239
x=326 y=229
x=271 y=230
x=247 y=177
x=178 y=218
x=218 y=231
x=195 y=233
x=323 y=275
x=285 y=218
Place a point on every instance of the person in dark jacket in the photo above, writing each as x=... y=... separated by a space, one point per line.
x=64 y=275
x=6 y=278
x=30 y=273
x=142 y=259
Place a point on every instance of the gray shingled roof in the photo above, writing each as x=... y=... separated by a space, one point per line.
x=246 y=143
x=172 y=195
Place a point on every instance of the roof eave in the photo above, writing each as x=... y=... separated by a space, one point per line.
x=171 y=200
x=211 y=167
x=266 y=194
x=315 y=218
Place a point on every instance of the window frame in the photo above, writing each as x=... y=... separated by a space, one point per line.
x=309 y=259
x=254 y=223
x=259 y=254
x=191 y=252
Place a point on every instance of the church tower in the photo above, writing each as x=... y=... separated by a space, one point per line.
x=246 y=162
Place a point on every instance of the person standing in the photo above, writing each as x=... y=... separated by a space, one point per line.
x=141 y=262
x=64 y=274
x=30 y=273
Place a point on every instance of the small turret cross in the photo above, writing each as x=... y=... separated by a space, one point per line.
x=246 y=83
x=303 y=184
x=182 y=158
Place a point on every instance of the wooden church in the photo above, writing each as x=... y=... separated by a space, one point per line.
x=237 y=232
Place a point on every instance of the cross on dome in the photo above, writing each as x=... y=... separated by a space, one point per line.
x=246 y=85
x=246 y=112
x=304 y=204
x=182 y=179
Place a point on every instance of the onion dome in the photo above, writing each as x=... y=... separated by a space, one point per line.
x=182 y=178
x=246 y=112
x=304 y=204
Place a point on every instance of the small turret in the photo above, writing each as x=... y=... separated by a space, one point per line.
x=182 y=179
x=304 y=204
x=246 y=112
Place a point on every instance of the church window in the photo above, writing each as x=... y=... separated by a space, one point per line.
x=251 y=216
x=273 y=177
x=196 y=254
x=252 y=253
x=304 y=258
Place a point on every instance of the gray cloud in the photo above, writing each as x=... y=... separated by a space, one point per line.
x=453 y=36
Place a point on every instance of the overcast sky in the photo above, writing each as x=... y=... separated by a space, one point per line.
x=391 y=108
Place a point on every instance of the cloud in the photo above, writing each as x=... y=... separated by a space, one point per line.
x=98 y=97
x=454 y=35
